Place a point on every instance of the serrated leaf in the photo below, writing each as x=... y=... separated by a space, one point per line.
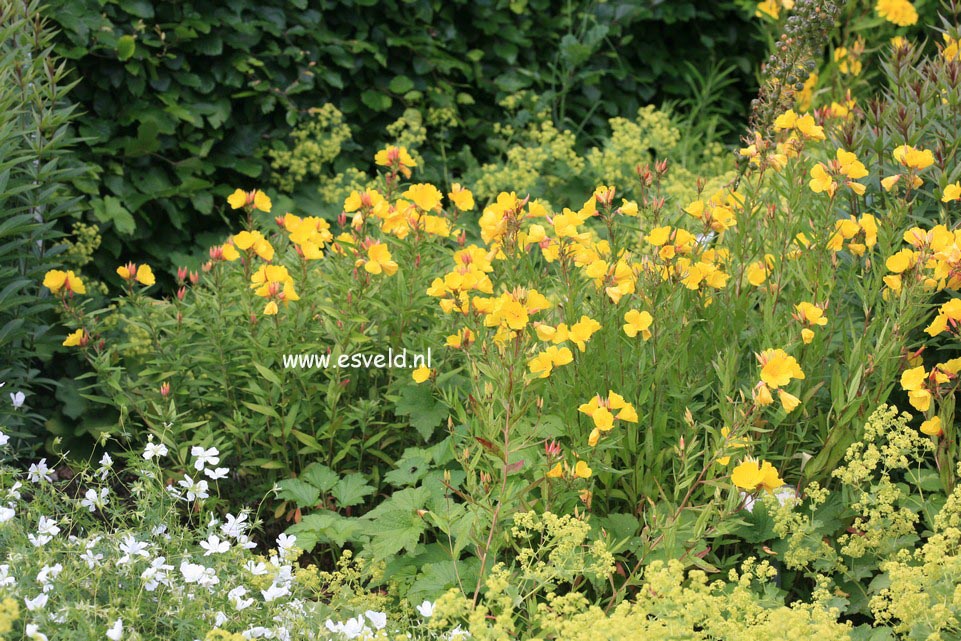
x=394 y=525
x=325 y=527
x=320 y=476
x=426 y=413
x=351 y=490
x=303 y=494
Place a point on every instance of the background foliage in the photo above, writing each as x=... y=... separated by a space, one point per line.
x=34 y=168
x=179 y=102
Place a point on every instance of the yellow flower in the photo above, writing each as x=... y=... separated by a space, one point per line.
x=777 y=368
x=914 y=382
x=951 y=192
x=582 y=471
x=545 y=362
x=750 y=476
x=246 y=240
x=788 y=401
x=229 y=252
x=807 y=336
x=253 y=199
x=145 y=275
x=77 y=338
x=270 y=309
x=638 y=323
x=556 y=472
x=762 y=394
x=397 y=159
x=582 y=330
x=948 y=314
x=462 y=198
x=603 y=419
x=56 y=280
x=628 y=207
x=914 y=158
x=379 y=260
x=821 y=180
x=770 y=8
x=932 y=426
x=900 y=12
x=902 y=261
x=425 y=196
x=421 y=374
x=810 y=314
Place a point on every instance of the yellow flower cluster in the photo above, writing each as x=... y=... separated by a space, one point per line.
x=777 y=371
x=602 y=413
x=934 y=259
x=900 y=12
x=845 y=167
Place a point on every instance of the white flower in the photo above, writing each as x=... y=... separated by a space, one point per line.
x=131 y=547
x=236 y=597
x=258 y=632
x=152 y=450
x=220 y=619
x=17 y=398
x=235 y=525
x=213 y=545
x=4 y=439
x=106 y=464
x=217 y=474
x=39 y=472
x=156 y=575
x=115 y=632
x=426 y=609
x=92 y=560
x=206 y=457
x=457 y=634
x=5 y=578
x=47 y=574
x=244 y=541
x=46 y=530
x=7 y=513
x=196 y=573
x=198 y=490
x=33 y=633
x=93 y=501
x=275 y=592
x=378 y=619
x=37 y=603
x=285 y=544
x=256 y=568
x=14 y=491
x=353 y=628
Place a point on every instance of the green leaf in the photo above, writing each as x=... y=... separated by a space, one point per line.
x=126 y=45
x=351 y=490
x=395 y=525
x=426 y=413
x=325 y=527
x=401 y=84
x=376 y=100
x=110 y=210
x=303 y=494
x=320 y=476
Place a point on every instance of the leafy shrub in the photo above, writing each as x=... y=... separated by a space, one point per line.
x=181 y=102
x=34 y=170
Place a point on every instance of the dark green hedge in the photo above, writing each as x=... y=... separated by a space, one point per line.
x=181 y=99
